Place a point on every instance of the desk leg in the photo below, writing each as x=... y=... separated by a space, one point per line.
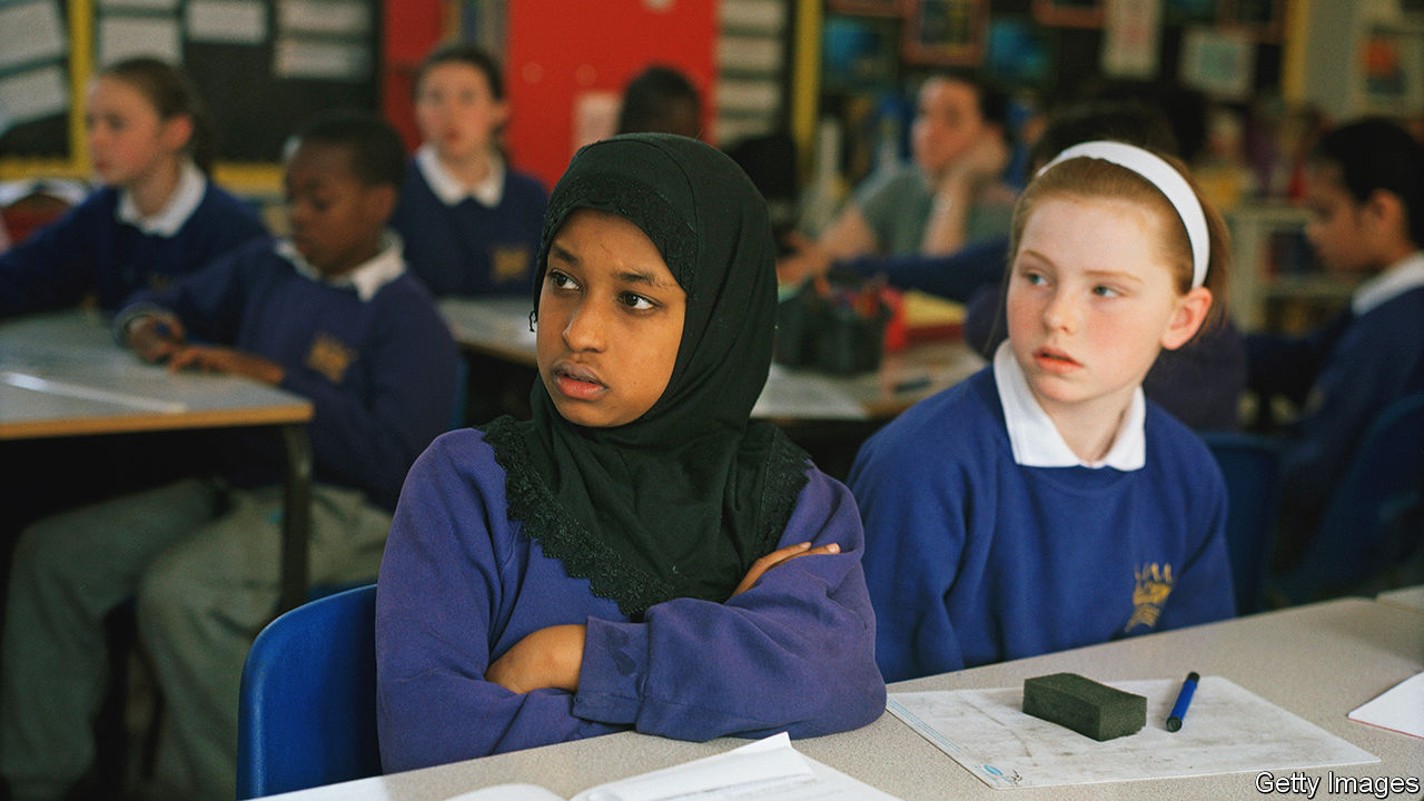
x=296 y=518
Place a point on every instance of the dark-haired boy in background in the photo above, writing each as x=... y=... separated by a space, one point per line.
x=329 y=314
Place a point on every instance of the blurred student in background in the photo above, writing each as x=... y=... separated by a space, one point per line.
x=1365 y=191
x=157 y=215
x=949 y=197
x=661 y=99
x=469 y=221
x=330 y=315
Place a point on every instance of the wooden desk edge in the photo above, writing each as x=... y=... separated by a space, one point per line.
x=148 y=421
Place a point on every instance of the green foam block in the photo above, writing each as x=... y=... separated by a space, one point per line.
x=1083 y=705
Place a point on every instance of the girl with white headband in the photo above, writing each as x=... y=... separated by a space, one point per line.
x=1044 y=503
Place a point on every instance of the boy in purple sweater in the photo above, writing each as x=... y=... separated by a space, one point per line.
x=632 y=557
x=331 y=315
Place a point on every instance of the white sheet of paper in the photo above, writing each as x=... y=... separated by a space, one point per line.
x=30 y=32
x=769 y=769
x=1228 y=729
x=1401 y=708
x=804 y=395
x=144 y=5
x=233 y=21
x=324 y=60
x=32 y=95
x=122 y=37
x=338 y=17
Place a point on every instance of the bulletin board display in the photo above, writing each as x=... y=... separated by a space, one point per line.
x=262 y=67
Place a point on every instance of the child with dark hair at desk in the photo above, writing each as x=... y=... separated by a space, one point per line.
x=331 y=315
x=1365 y=192
x=1044 y=503
x=639 y=555
x=469 y=221
x=157 y=217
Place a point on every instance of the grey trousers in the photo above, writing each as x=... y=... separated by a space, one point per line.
x=204 y=576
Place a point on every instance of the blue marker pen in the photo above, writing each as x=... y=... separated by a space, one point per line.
x=1184 y=700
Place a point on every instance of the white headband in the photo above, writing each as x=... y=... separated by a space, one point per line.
x=1167 y=180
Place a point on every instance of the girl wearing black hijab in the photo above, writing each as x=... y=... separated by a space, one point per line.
x=640 y=554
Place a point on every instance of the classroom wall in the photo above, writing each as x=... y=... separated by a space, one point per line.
x=567 y=62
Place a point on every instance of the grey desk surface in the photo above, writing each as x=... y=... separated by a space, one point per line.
x=499 y=327
x=1408 y=597
x=61 y=374
x=1319 y=662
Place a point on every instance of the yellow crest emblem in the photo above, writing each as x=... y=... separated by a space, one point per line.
x=1152 y=584
x=330 y=357
x=509 y=263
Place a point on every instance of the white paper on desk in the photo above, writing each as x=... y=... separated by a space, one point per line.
x=1400 y=708
x=766 y=770
x=804 y=396
x=1228 y=730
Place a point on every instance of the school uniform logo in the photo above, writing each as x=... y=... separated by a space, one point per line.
x=330 y=357
x=509 y=263
x=1152 y=584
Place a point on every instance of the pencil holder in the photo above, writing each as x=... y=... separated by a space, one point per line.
x=837 y=330
x=848 y=343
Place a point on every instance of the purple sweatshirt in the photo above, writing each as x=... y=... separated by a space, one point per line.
x=460 y=584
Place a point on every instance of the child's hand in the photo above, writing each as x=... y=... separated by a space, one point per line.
x=155 y=338
x=227 y=360
x=550 y=657
x=778 y=556
x=807 y=260
x=984 y=160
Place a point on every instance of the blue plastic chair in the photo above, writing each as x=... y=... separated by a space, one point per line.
x=1375 y=518
x=1250 y=464
x=307 y=708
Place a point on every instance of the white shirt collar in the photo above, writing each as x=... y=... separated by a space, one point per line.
x=180 y=206
x=1035 y=440
x=1398 y=278
x=450 y=189
x=367 y=279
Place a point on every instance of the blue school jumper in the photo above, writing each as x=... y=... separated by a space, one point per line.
x=470 y=248
x=380 y=373
x=972 y=558
x=1343 y=376
x=90 y=250
x=461 y=583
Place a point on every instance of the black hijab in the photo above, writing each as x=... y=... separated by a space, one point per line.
x=681 y=501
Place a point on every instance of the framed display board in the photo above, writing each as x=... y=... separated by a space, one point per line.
x=945 y=32
x=261 y=66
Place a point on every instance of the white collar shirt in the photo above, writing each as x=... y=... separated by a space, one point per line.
x=1034 y=438
x=180 y=206
x=366 y=279
x=450 y=190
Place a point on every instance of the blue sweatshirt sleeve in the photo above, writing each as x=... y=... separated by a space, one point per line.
x=446 y=577
x=1287 y=365
x=208 y=302
x=956 y=276
x=1204 y=590
x=915 y=535
x=55 y=265
x=794 y=653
